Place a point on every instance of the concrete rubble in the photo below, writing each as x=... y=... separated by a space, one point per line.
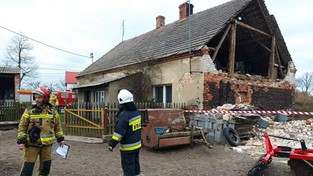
x=295 y=129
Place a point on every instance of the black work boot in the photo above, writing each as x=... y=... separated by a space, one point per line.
x=27 y=169
x=45 y=169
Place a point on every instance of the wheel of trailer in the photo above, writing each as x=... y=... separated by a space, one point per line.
x=231 y=136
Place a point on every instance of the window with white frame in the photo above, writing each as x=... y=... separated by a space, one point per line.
x=163 y=94
x=99 y=96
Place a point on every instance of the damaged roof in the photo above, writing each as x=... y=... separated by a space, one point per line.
x=173 y=39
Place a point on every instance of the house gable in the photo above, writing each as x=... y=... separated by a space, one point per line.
x=256 y=35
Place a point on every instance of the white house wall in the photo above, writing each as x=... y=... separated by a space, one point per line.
x=187 y=86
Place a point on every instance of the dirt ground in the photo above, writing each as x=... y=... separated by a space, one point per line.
x=93 y=159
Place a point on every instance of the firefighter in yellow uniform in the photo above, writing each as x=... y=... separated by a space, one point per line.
x=54 y=100
x=37 y=130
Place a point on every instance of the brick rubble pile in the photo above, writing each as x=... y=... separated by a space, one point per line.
x=296 y=129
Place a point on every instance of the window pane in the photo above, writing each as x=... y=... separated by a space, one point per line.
x=168 y=94
x=64 y=95
x=159 y=94
x=99 y=96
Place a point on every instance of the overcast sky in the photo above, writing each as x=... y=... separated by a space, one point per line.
x=95 y=26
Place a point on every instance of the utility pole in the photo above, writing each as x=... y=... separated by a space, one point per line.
x=123 y=30
x=91 y=56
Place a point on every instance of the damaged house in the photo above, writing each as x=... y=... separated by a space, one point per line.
x=232 y=53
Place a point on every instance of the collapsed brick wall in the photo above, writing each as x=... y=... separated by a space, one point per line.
x=219 y=90
x=268 y=98
x=218 y=93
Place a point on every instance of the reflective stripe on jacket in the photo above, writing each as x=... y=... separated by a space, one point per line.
x=46 y=119
x=128 y=130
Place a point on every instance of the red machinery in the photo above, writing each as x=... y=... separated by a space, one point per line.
x=301 y=159
x=65 y=97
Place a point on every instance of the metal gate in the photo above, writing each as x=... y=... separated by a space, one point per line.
x=85 y=122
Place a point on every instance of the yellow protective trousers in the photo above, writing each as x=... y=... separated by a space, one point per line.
x=30 y=156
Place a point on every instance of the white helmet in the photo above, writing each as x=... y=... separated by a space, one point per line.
x=124 y=96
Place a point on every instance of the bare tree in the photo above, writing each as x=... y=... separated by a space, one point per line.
x=60 y=86
x=305 y=83
x=29 y=84
x=56 y=86
x=33 y=84
x=18 y=55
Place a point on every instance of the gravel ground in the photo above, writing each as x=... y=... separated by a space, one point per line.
x=86 y=159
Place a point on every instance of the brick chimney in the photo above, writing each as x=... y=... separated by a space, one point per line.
x=184 y=10
x=160 y=21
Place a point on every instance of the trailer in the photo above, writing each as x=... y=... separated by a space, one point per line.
x=167 y=128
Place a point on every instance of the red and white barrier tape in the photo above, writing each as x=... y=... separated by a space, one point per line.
x=251 y=112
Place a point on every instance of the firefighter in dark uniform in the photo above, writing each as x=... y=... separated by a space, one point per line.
x=127 y=133
x=37 y=130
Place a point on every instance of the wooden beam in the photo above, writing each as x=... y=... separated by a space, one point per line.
x=232 y=49
x=282 y=59
x=279 y=63
x=220 y=43
x=272 y=59
x=252 y=28
x=265 y=47
x=263 y=14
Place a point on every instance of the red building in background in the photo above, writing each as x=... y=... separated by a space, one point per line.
x=70 y=80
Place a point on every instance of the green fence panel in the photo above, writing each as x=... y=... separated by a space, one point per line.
x=10 y=111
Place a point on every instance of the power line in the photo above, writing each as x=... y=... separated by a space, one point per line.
x=52 y=73
x=51 y=69
x=45 y=43
x=60 y=65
